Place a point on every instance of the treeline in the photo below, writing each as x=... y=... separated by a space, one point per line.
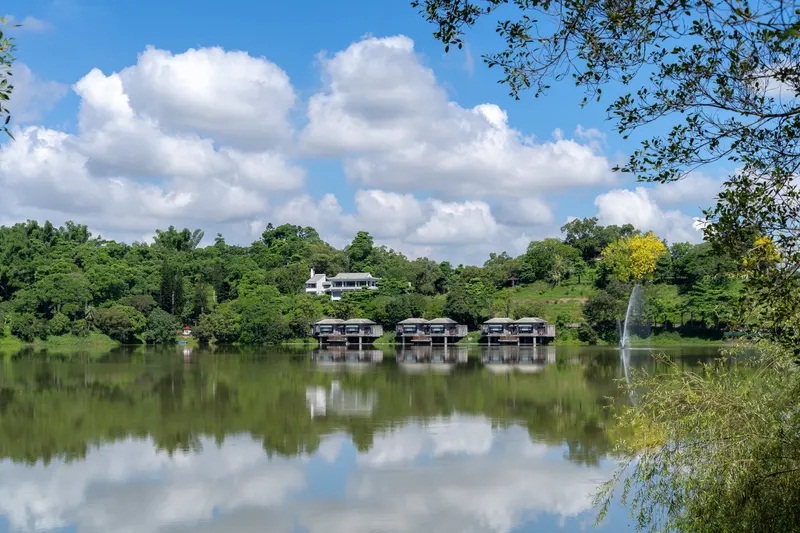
x=62 y=280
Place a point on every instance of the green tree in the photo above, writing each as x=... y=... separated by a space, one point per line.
x=539 y=259
x=7 y=48
x=161 y=327
x=223 y=324
x=262 y=320
x=359 y=252
x=730 y=95
x=171 y=294
x=120 y=322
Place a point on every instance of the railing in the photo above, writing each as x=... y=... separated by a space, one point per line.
x=448 y=331
x=547 y=330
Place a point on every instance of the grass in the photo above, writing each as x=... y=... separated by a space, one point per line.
x=673 y=338
x=563 y=301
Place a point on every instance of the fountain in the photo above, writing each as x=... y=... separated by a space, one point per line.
x=633 y=317
x=633 y=323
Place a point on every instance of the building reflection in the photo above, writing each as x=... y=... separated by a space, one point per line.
x=520 y=358
x=343 y=357
x=320 y=401
x=417 y=358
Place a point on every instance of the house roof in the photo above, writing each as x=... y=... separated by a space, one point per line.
x=315 y=278
x=499 y=320
x=329 y=321
x=443 y=320
x=413 y=321
x=530 y=320
x=353 y=276
x=360 y=322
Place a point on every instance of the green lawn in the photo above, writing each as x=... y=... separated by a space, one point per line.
x=542 y=299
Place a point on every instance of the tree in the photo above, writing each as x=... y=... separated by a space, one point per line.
x=359 y=252
x=713 y=450
x=7 y=48
x=731 y=95
x=161 y=327
x=541 y=256
x=633 y=258
x=120 y=322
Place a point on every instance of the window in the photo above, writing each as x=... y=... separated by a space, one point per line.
x=409 y=329
x=526 y=329
x=326 y=329
x=437 y=329
x=495 y=329
x=352 y=329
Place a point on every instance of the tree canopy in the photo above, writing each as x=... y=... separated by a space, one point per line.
x=720 y=82
x=7 y=48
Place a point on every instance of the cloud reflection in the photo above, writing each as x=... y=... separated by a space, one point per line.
x=451 y=474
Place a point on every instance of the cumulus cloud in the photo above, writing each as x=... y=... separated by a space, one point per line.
x=32 y=97
x=386 y=114
x=697 y=190
x=140 y=159
x=640 y=208
x=228 y=95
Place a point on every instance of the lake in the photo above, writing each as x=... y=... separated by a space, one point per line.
x=193 y=440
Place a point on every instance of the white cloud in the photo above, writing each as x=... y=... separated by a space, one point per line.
x=385 y=112
x=28 y=24
x=129 y=168
x=231 y=96
x=456 y=223
x=697 y=190
x=32 y=97
x=640 y=208
x=386 y=214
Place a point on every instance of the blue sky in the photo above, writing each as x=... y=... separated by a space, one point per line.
x=341 y=115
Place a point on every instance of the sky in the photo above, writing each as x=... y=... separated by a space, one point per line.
x=345 y=116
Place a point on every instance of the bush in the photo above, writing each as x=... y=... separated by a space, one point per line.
x=587 y=334
x=80 y=328
x=27 y=327
x=58 y=325
x=161 y=327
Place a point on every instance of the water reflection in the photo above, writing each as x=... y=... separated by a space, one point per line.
x=340 y=401
x=143 y=441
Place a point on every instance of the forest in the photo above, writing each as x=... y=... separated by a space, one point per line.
x=63 y=282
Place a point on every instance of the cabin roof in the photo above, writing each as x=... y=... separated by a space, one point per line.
x=315 y=278
x=353 y=276
x=413 y=321
x=499 y=320
x=443 y=320
x=530 y=320
x=360 y=322
x=329 y=321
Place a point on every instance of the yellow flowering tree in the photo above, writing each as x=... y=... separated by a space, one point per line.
x=633 y=258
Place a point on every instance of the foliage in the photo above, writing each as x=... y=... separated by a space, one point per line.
x=7 y=48
x=161 y=327
x=120 y=322
x=714 y=450
x=252 y=294
x=634 y=258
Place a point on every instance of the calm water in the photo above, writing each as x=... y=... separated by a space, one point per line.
x=227 y=441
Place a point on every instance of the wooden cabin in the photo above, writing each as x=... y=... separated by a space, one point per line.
x=529 y=330
x=356 y=331
x=441 y=331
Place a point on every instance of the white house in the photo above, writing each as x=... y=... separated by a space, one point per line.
x=317 y=284
x=340 y=283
